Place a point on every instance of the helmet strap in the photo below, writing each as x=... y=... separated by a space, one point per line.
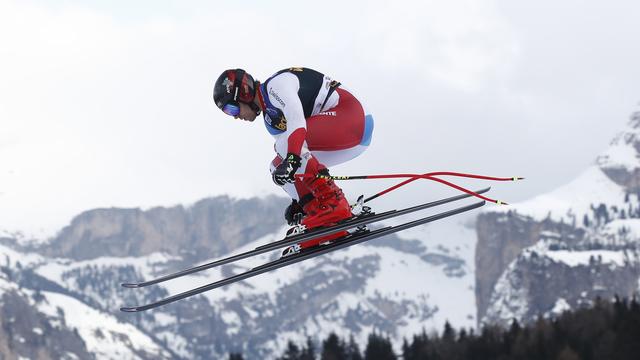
x=255 y=108
x=237 y=83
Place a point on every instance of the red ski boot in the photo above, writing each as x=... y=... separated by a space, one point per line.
x=328 y=207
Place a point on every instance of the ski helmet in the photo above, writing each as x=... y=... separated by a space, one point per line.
x=232 y=87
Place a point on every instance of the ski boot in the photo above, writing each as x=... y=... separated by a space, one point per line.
x=327 y=207
x=294 y=213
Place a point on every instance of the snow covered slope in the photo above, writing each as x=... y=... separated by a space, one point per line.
x=564 y=248
x=574 y=200
x=397 y=285
x=60 y=323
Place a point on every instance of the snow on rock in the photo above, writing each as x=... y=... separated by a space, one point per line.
x=104 y=336
x=583 y=258
x=28 y=235
x=178 y=344
x=536 y=281
x=148 y=266
x=621 y=232
x=619 y=155
x=6 y=285
x=574 y=257
x=572 y=200
x=561 y=306
x=233 y=322
x=451 y=236
x=163 y=319
x=593 y=186
x=509 y=300
x=12 y=258
x=622 y=154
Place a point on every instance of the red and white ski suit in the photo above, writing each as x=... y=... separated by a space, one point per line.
x=311 y=115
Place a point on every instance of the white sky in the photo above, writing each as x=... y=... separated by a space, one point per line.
x=108 y=103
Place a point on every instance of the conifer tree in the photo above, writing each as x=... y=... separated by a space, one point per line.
x=379 y=348
x=333 y=348
x=353 y=350
x=568 y=353
x=607 y=330
x=407 y=353
x=420 y=348
x=309 y=351
x=292 y=352
x=449 y=334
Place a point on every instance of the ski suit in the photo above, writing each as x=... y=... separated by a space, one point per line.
x=313 y=116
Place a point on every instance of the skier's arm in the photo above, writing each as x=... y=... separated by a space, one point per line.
x=283 y=93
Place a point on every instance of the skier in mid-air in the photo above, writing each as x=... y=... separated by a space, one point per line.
x=316 y=123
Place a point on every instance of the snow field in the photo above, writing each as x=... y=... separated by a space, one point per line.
x=571 y=200
x=404 y=276
x=103 y=334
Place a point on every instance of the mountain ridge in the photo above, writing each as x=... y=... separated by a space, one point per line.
x=525 y=251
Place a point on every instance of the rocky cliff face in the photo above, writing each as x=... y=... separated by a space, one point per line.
x=565 y=248
x=209 y=228
x=502 y=238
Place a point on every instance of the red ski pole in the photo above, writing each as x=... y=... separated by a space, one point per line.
x=427 y=176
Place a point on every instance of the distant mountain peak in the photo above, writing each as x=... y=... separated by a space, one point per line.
x=556 y=249
x=621 y=160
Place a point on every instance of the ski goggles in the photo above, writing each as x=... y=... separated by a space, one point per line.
x=232 y=108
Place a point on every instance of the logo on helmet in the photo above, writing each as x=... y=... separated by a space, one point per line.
x=228 y=84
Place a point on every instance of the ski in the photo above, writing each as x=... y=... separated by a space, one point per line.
x=317 y=232
x=347 y=241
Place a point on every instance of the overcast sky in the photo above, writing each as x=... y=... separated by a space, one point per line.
x=108 y=103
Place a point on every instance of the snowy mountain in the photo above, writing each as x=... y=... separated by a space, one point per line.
x=562 y=249
x=40 y=319
x=397 y=285
x=557 y=251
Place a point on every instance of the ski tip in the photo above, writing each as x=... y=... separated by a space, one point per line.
x=130 y=285
x=516 y=178
x=499 y=202
x=129 y=309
